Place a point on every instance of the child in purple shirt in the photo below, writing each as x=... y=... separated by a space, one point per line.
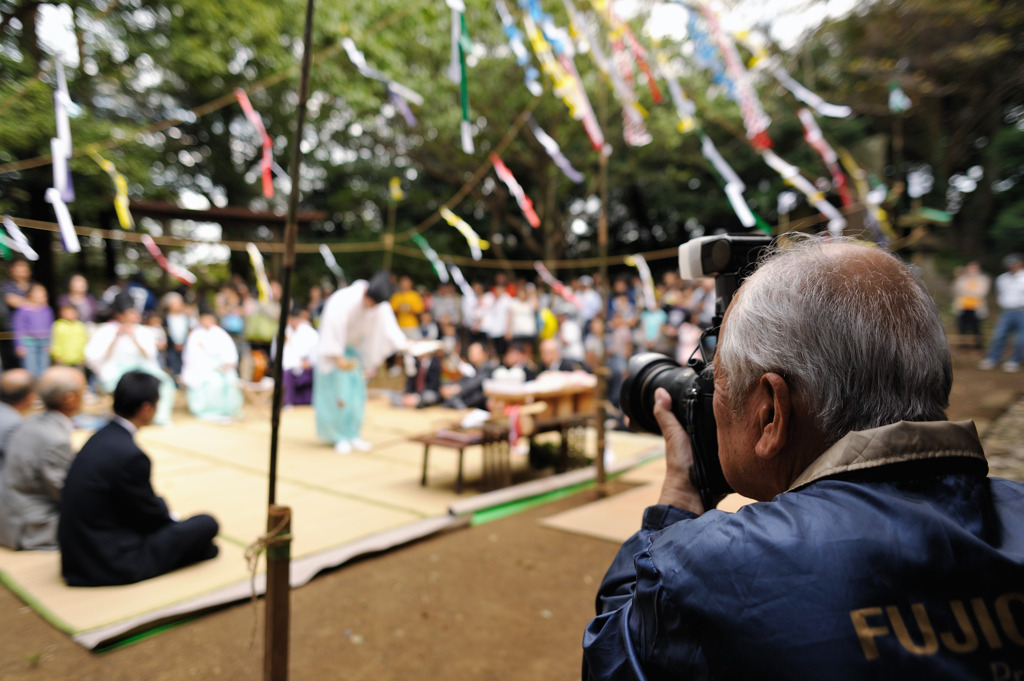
x=31 y=324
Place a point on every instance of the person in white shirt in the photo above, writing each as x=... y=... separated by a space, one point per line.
x=494 y=319
x=1010 y=296
x=122 y=345
x=300 y=342
x=209 y=371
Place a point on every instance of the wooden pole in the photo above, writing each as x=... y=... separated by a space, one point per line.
x=278 y=594
x=602 y=371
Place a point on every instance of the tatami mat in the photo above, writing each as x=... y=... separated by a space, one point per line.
x=342 y=507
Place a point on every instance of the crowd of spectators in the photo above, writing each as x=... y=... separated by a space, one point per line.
x=510 y=322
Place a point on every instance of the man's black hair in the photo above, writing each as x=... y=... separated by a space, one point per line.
x=133 y=390
x=380 y=288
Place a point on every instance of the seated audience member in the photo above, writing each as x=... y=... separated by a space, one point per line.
x=114 y=529
x=423 y=375
x=298 y=358
x=122 y=345
x=515 y=358
x=17 y=393
x=209 y=371
x=468 y=392
x=38 y=455
x=878 y=546
x=551 y=358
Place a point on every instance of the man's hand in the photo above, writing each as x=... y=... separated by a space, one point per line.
x=344 y=363
x=676 y=490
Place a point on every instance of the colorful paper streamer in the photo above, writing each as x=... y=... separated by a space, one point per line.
x=18 y=239
x=60 y=146
x=554 y=152
x=791 y=174
x=461 y=44
x=476 y=244
x=646 y=279
x=395 y=189
x=814 y=137
x=267 y=161
x=531 y=75
x=514 y=188
x=399 y=94
x=734 y=186
x=331 y=262
x=876 y=218
x=557 y=286
x=435 y=260
x=262 y=282
x=755 y=120
x=121 y=202
x=67 y=228
x=179 y=273
x=460 y=281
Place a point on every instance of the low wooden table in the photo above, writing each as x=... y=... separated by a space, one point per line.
x=494 y=441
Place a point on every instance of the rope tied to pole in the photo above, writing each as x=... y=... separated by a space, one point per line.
x=272 y=539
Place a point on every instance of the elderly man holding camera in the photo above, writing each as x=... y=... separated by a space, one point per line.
x=878 y=548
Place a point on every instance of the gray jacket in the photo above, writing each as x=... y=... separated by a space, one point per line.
x=38 y=455
x=10 y=419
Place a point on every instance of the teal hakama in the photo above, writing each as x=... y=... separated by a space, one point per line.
x=339 y=401
x=217 y=398
x=354 y=326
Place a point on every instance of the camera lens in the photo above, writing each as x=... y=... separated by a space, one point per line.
x=649 y=371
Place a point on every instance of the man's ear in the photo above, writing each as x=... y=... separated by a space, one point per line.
x=773 y=415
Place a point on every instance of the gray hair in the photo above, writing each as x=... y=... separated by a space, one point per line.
x=56 y=383
x=851 y=329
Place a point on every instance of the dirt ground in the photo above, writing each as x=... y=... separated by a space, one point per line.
x=502 y=600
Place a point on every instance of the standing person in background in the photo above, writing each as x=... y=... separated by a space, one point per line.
x=472 y=316
x=446 y=306
x=590 y=299
x=177 y=324
x=1010 y=296
x=494 y=314
x=408 y=305
x=522 y=317
x=970 y=291
x=70 y=336
x=122 y=345
x=358 y=331
x=78 y=296
x=15 y=294
x=32 y=324
x=155 y=323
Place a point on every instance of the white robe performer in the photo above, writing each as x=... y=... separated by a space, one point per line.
x=358 y=331
x=122 y=345
x=209 y=370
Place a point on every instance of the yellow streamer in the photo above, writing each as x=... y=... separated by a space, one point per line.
x=124 y=216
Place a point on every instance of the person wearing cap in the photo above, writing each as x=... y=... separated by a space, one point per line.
x=300 y=342
x=358 y=331
x=1010 y=296
x=122 y=345
x=209 y=371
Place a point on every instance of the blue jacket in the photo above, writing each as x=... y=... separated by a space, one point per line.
x=892 y=557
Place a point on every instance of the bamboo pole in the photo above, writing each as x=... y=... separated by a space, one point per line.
x=278 y=605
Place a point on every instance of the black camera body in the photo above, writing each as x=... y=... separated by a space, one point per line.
x=729 y=258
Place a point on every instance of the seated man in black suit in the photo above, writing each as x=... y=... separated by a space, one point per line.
x=113 y=528
x=468 y=392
